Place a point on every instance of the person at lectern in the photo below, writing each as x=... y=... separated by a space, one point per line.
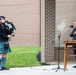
x=73 y=35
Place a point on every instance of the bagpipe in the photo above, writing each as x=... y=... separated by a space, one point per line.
x=11 y=30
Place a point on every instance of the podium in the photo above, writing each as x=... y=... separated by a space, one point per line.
x=66 y=43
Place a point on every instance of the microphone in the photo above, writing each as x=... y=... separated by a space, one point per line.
x=71 y=26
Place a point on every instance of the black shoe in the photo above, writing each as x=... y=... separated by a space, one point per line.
x=4 y=68
x=74 y=66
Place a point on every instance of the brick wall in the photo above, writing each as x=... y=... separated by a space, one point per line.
x=65 y=16
x=56 y=13
x=25 y=14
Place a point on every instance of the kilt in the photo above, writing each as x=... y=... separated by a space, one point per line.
x=3 y=49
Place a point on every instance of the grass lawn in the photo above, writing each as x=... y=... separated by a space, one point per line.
x=22 y=56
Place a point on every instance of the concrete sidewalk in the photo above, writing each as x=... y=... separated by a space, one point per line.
x=40 y=70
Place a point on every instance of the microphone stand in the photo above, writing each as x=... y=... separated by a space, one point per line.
x=58 y=67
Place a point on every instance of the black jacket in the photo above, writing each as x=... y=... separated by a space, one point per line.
x=4 y=32
x=72 y=34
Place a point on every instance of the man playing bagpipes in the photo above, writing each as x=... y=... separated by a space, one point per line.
x=6 y=32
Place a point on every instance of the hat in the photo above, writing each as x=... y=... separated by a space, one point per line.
x=2 y=17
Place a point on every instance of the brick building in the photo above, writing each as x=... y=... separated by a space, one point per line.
x=39 y=22
x=25 y=14
x=56 y=18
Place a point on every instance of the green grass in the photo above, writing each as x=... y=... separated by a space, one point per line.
x=22 y=56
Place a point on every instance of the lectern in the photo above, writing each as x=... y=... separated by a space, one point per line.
x=66 y=43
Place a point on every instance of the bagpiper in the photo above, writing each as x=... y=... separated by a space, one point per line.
x=6 y=32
